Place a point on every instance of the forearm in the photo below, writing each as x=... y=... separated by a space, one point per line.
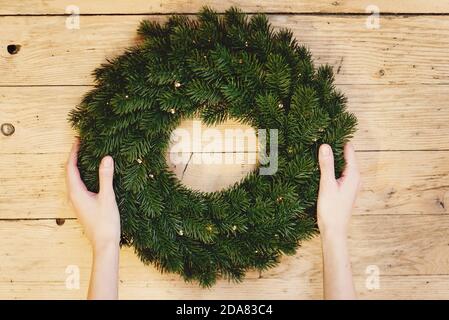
x=338 y=283
x=104 y=276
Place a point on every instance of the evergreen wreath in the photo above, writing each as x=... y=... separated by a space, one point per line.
x=214 y=67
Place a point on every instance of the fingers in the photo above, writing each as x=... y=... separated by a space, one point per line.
x=326 y=160
x=73 y=178
x=106 y=175
x=75 y=184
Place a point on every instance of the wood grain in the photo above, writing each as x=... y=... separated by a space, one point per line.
x=411 y=245
x=389 y=55
x=179 y=6
x=396 y=78
x=392 y=288
x=394 y=117
x=394 y=183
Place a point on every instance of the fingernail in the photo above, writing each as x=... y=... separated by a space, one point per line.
x=107 y=162
x=325 y=150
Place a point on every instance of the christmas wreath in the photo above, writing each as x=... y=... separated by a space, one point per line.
x=214 y=67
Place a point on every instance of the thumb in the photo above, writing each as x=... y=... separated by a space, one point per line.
x=326 y=159
x=106 y=175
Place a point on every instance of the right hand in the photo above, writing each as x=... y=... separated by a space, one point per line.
x=336 y=197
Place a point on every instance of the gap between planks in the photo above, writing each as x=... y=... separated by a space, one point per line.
x=325 y=14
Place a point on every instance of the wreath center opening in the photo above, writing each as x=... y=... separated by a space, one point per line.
x=211 y=158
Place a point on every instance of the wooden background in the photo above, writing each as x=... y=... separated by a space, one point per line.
x=397 y=81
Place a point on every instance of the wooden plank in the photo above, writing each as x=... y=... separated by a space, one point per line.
x=403 y=183
x=401 y=247
x=359 y=55
x=46 y=191
x=394 y=117
x=400 y=222
x=392 y=288
x=393 y=182
x=41 y=124
x=178 y=6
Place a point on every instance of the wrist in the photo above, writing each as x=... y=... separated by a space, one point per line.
x=333 y=234
x=109 y=247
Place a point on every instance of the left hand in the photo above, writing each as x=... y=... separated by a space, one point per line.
x=97 y=212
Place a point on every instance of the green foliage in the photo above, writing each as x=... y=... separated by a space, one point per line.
x=216 y=67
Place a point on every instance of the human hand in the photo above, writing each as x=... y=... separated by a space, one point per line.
x=98 y=213
x=336 y=197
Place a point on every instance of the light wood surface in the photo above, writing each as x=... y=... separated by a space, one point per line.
x=192 y=6
x=408 y=246
x=404 y=50
x=397 y=81
x=391 y=117
x=394 y=183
